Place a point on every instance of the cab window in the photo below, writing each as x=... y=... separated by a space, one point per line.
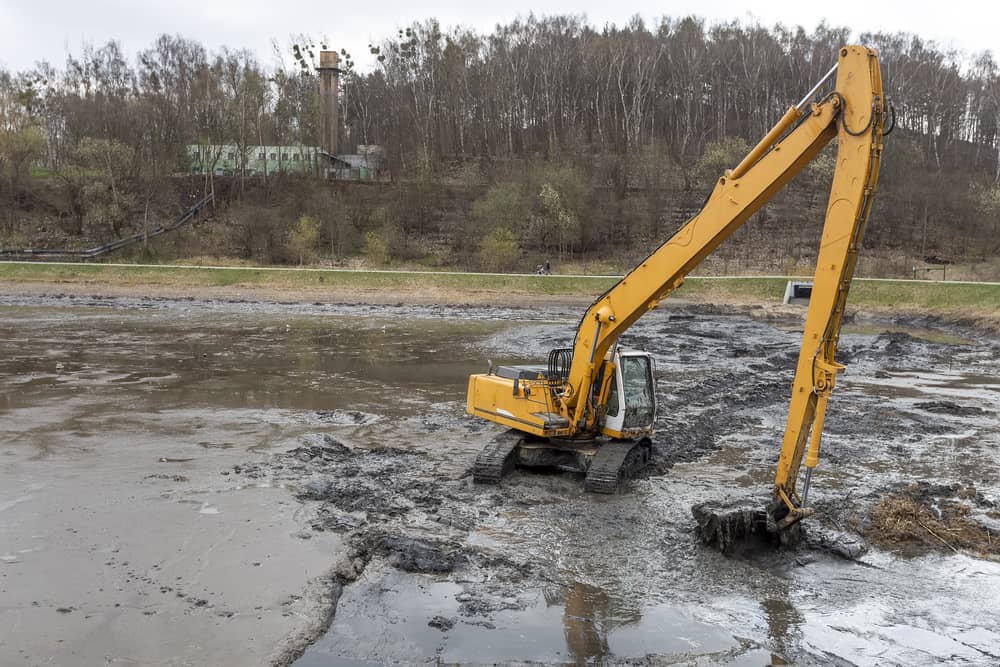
x=637 y=378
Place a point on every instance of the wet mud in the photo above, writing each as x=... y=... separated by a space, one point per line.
x=354 y=416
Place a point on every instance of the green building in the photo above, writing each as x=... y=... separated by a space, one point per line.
x=226 y=160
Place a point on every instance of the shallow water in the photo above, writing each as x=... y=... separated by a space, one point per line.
x=576 y=624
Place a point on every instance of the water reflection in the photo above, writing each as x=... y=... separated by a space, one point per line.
x=579 y=624
x=784 y=624
x=586 y=620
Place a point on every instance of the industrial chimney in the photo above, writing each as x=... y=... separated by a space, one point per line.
x=329 y=117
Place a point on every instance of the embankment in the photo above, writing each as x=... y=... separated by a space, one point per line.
x=973 y=303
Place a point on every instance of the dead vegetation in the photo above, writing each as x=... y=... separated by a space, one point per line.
x=924 y=517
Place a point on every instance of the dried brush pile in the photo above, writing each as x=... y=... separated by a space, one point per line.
x=922 y=517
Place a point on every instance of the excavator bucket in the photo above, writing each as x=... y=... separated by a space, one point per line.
x=729 y=526
x=735 y=526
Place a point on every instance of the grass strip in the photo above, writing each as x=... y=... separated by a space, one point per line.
x=933 y=297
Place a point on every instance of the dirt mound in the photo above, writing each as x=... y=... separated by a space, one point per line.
x=894 y=346
x=896 y=343
x=358 y=486
x=420 y=555
x=950 y=408
x=923 y=517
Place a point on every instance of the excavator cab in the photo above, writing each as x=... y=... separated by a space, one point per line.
x=631 y=404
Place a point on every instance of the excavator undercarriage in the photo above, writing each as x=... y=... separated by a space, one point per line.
x=606 y=463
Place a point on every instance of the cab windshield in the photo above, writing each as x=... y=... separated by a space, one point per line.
x=637 y=378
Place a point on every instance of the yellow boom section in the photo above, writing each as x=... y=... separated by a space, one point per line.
x=859 y=150
x=857 y=103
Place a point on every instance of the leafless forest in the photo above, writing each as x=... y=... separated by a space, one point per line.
x=547 y=138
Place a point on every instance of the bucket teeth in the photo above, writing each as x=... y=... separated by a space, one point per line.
x=793 y=518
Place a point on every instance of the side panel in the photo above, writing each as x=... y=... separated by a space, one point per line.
x=615 y=417
x=492 y=397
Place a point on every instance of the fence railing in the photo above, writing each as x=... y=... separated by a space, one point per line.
x=927 y=269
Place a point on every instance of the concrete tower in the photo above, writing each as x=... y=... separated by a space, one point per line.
x=329 y=114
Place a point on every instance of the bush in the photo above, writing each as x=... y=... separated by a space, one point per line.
x=571 y=184
x=555 y=228
x=504 y=205
x=258 y=236
x=376 y=249
x=500 y=250
x=821 y=169
x=304 y=238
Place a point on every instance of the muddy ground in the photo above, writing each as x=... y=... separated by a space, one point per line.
x=236 y=482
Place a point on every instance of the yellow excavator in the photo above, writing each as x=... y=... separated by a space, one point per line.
x=591 y=408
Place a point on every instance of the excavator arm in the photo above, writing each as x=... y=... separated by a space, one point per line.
x=853 y=113
x=859 y=150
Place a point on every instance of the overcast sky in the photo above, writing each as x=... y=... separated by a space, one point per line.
x=32 y=30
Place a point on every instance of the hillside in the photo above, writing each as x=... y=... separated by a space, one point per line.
x=546 y=140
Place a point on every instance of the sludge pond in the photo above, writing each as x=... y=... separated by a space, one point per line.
x=253 y=483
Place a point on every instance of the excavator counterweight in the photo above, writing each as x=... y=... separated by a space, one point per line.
x=592 y=407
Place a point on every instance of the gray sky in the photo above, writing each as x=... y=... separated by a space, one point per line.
x=31 y=30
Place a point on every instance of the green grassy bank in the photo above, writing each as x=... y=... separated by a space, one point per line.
x=934 y=297
x=308 y=279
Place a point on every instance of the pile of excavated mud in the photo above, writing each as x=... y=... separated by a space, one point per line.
x=923 y=517
x=738 y=527
x=730 y=526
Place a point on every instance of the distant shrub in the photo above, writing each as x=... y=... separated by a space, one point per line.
x=376 y=249
x=500 y=250
x=823 y=165
x=304 y=239
x=720 y=155
x=557 y=227
x=503 y=205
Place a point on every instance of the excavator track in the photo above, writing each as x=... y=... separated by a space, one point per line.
x=615 y=463
x=496 y=459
